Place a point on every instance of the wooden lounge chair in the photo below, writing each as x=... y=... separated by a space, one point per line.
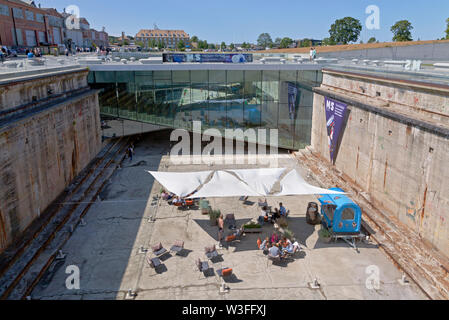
x=211 y=252
x=159 y=250
x=177 y=247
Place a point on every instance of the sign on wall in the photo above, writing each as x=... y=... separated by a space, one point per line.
x=335 y=117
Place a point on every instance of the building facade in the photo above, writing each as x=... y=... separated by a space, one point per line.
x=23 y=24
x=169 y=38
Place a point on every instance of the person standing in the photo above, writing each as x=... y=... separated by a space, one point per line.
x=314 y=53
x=220 y=229
x=311 y=54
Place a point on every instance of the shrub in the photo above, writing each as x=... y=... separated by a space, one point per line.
x=282 y=222
x=289 y=234
x=324 y=233
x=252 y=225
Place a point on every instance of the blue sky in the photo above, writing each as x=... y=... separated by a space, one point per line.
x=238 y=21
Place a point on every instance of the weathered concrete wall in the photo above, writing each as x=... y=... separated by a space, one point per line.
x=41 y=154
x=394 y=150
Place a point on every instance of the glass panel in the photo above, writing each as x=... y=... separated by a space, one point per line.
x=348 y=214
x=270 y=111
x=127 y=100
x=105 y=76
x=270 y=86
x=286 y=127
x=107 y=98
x=199 y=76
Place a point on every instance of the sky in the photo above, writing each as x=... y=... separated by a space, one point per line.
x=236 y=21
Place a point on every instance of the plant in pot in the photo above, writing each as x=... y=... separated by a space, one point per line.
x=213 y=216
x=282 y=222
x=204 y=206
x=252 y=226
x=324 y=235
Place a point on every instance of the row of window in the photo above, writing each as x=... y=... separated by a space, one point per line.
x=165 y=35
x=18 y=13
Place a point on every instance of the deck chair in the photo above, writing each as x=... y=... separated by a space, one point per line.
x=211 y=252
x=202 y=266
x=177 y=247
x=224 y=272
x=244 y=198
x=154 y=262
x=263 y=203
x=159 y=250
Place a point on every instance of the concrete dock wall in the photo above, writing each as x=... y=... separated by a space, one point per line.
x=395 y=146
x=42 y=150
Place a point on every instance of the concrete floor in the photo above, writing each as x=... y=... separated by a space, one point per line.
x=106 y=250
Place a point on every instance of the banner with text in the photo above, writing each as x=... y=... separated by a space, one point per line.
x=335 y=117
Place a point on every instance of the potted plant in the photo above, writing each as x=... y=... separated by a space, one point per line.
x=288 y=234
x=213 y=216
x=282 y=222
x=204 y=206
x=325 y=235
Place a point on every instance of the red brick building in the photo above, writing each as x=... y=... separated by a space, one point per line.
x=22 y=24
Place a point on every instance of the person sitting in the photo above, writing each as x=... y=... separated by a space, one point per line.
x=263 y=245
x=287 y=247
x=276 y=215
x=282 y=210
x=176 y=201
x=274 y=238
x=274 y=251
x=164 y=195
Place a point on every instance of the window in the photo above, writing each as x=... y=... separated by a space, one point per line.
x=18 y=13
x=31 y=38
x=4 y=10
x=41 y=37
x=19 y=36
x=39 y=17
x=348 y=214
x=29 y=15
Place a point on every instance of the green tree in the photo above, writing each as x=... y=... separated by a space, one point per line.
x=194 y=39
x=211 y=46
x=447 y=29
x=277 y=42
x=232 y=46
x=285 y=42
x=140 y=44
x=264 y=40
x=402 y=31
x=223 y=45
x=345 y=30
x=328 y=42
x=202 y=44
x=372 y=40
x=306 y=43
x=181 y=45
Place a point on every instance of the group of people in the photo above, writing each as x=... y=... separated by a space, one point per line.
x=278 y=247
x=278 y=213
x=33 y=53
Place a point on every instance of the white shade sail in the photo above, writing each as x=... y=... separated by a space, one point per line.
x=224 y=184
x=181 y=183
x=260 y=180
x=293 y=184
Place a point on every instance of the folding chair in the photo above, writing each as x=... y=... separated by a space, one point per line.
x=159 y=250
x=211 y=252
x=177 y=247
x=202 y=266
x=154 y=262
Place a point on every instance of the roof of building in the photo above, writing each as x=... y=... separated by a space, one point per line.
x=53 y=12
x=162 y=33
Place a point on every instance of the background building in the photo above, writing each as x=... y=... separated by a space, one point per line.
x=170 y=38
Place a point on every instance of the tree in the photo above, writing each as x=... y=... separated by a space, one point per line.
x=181 y=45
x=223 y=46
x=264 y=40
x=328 y=42
x=306 y=43
x=140 y=44
x=194 y=39
x=345 y=30
x=232 y=46
x=285 y=42
x=277 y=42
x=447 y=29
x=402 y=31
x=202 y=44
x=372 y=40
